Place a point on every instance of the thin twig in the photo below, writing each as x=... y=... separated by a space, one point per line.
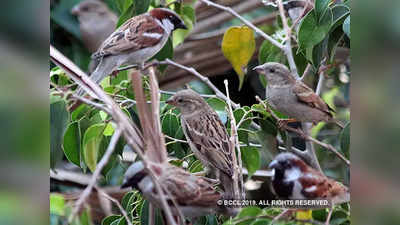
x=306 y=136
x=234 y=141
x=115 y=201
x=288 y=46
x=241 y=220
x=174 y=139
x=245 y=21
x=96 y=173
x=306 y=71
x=329 y=216
x=172 y=93
x=276 y=218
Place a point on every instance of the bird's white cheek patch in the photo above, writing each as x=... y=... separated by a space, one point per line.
x=152 y=35
x=168 y=25
x=311 y=189
x=292 y=174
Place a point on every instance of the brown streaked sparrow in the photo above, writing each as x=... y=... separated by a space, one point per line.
x=195 y=195
x=135 y=41
x=294 y=179
x=96 y=22
x=292 y=97
x=206 y=136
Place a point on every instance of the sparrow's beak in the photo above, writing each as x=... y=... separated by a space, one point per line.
x=75 y=10
x=259 y=68
x=182 y=26
x=171 y=101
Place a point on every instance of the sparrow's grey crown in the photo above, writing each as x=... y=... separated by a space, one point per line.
x=275 y=73
x=188 y=101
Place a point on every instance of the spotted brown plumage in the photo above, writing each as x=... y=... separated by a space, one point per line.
x=134 y=42
x=131 y=36
x=206 y=135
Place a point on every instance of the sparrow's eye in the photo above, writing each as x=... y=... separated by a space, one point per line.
x=180 y=100
x=272 y=70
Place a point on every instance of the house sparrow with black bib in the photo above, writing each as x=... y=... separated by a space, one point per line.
x=195 y=195
x=294 y=179
x=206 y=135
x=292 y=97
x=135 y=41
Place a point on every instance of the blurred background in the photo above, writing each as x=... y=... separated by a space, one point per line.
x=375 y=109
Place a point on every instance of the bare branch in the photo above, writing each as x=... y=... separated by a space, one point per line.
x=96 y=173
x=249 y=24
x=306 y=136
x=288 y=46
x=115 y=201
x=234 y=141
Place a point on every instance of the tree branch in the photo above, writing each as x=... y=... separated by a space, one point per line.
x=234 y=141
x=115 y=201
x=304 y=135
x=249 y=24
x=96 y=173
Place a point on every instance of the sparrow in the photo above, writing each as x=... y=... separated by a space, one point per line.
x=195 y=195
x=292 y=97
x=206 y=135
x=294 y=179
x=96 y=22
x=135 y=41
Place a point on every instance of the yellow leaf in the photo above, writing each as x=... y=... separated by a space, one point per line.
x=238 y=46
x=304 y=214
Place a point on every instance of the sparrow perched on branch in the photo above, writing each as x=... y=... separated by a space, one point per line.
x=206 y=136
x=96 y=22
x=294 y=179
x=135 y=41
x=292 y=97
x=195 y=195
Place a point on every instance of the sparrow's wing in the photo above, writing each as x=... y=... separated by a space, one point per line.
x=315 y=185
x=188 y=189
x=136 y=33
x=209 y=137
x=307 y=95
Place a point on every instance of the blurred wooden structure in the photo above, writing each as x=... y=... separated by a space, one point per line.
x=202 y=48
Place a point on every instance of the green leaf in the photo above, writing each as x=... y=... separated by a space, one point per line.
x=144 y=215
x=170 y=124
x=57 y=204
x=72 y=143
x=238 y=46
x=141 y=6
x=251 y=211
x=132 y=8
x=261 y=222
x=251 y=159
x=346 y=26
x=189 y=18
x=320 y=7
x=126 y=199
x=59 y=117
x=110 y=219
x=345 y=140
x=334 y=39
x=267 y=139
x=219 y=106
x=91 y=144
x=270 y=53
x=311 y=32
x=339 y=12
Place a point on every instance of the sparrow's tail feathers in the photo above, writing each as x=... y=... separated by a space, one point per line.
x=227 y=184
x=104 y=68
